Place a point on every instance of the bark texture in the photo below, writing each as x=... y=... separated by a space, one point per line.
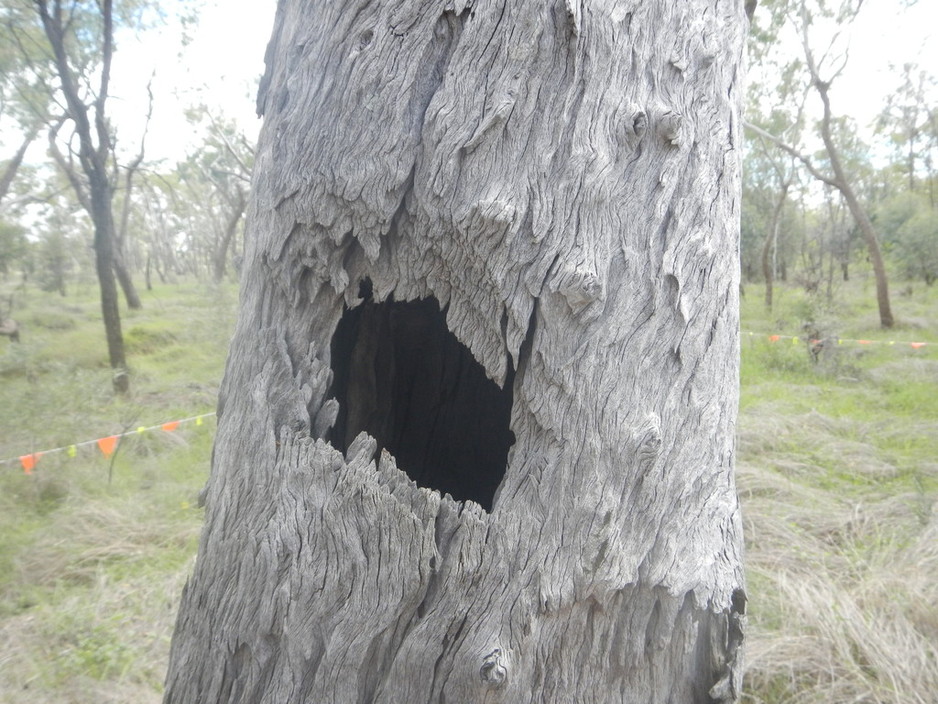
x=563 y=179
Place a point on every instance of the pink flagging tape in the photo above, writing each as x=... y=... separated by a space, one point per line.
x=107 y=444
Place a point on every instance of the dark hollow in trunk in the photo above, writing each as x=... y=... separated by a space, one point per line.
x=403 y=377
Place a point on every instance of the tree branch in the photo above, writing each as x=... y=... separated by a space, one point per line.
x=219 y=130
x=77 y=110
x=788 y=149
x=6 y=179
x=66 y=166
x=107 y=54
x=132 y=167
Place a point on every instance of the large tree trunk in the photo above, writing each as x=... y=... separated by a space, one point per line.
x=500 y=242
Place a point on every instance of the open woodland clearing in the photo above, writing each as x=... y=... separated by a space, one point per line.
x=837 y=473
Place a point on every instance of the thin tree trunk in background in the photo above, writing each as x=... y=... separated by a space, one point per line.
x=120 y=238
x=840 y=182
x=104 y=261
x=856 y=210
x=94 y=163
x=838 y=179
x=768 y=248
x=220 y=257
x=476 y=432
x=770 y=245
x=126 y=281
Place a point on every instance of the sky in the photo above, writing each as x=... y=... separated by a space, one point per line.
x=883 y=34
x=219 y=67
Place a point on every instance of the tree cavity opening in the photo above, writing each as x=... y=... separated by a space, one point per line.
x=400 y=375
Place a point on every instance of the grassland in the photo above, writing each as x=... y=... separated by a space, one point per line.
x=94 y=553
x=838 y=475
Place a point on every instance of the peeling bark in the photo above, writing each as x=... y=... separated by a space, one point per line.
x=563 y=180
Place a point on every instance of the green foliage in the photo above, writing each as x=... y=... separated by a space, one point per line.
x=909 y=224
x=908 y=122
x=13 y=245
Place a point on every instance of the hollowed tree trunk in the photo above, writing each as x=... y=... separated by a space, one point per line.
x=492 y=251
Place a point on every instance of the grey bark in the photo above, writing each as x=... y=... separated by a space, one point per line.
x=564 y=179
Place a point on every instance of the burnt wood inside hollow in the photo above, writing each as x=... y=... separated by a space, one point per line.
x=404 y=378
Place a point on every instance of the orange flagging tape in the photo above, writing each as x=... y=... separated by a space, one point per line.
x=29 y=461
x=840 y=341
x=107 y=445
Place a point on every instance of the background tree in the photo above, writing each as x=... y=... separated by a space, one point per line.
x=821 y=71
x=157 y=216
x=11 y=166
x=13 y=245
x=192 y=214
x=910 y=120
x=25 y=100
x=216 y=180
x=910 y=226
x=492 y=255
x=767 y=183
x=80 y=41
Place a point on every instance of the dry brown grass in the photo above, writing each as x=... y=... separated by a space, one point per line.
x=98 y=598
x=106 y=644
x=843 y=578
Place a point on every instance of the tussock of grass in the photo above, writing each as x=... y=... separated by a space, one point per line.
x=106 y=642
x=855 y=627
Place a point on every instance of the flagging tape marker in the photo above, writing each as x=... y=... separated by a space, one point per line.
x=107 y=445
x=795 y=340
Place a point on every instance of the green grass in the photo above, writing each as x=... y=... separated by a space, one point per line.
x=837 y=472
x=838 y=477
x=94 y=553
